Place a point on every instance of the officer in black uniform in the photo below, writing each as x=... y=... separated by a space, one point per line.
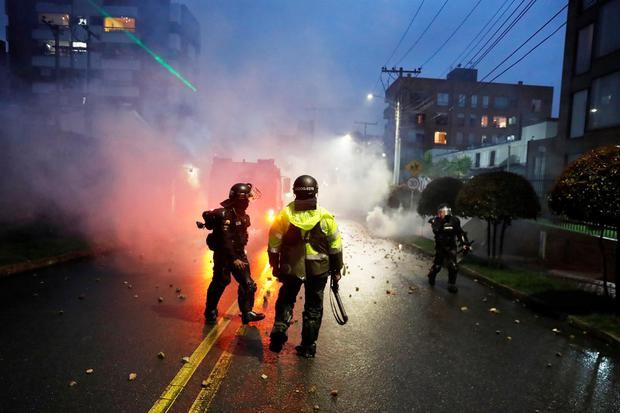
x=228 y=241
x=447 y=230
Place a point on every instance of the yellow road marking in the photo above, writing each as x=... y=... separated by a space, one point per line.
x=172 y=391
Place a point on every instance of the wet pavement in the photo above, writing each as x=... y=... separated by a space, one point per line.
x=407 y=346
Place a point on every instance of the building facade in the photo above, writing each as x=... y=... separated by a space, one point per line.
x=590 y=96
x=69 y=54
x=459 y=112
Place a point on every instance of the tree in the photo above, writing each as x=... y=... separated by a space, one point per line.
x=498 y=198
x=437 y=192
x=589 y=190
x=458 y=168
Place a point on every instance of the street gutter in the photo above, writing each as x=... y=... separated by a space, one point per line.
x=534 y=303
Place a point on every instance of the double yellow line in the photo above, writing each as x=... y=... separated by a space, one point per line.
x=218 y=373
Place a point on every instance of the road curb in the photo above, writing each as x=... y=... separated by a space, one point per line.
x=12 y=269
x=533 y=303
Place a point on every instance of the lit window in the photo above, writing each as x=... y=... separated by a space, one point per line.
x=536 y=105
x=474 y=101
x=113 y=24
x=604 y=102
x=462 y=99
x=485 y=102
x=56 y=19
x=49 y=47
x=584 y=49
x=483 y=139
x=512 y=120
x=419 y=119
x=443 y=99
x=500 y=121
x=484 y=121
x=441 y=138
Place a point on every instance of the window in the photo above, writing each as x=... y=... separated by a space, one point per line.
x=484 y=121
x=536 y=105
x=605 y=102
x=492 y=159
x=473 y=120
x=483 y=140
x=419 y=119
x=471 y=139
x=114 y=24
x=462 y=99
x=441 y=138
x=500 y=121
x=578 y=113
x=512 y=120
x=477 y=162
x=485 y=102
x=584 y=49
x=443 y=99
x=460 y=119
x=459 y=138
x=57 y=19
x=441 y=119
x=501 y=102
x=608 y=31
x=474 y=101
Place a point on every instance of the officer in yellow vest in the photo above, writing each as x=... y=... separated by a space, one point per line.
x=305 y=248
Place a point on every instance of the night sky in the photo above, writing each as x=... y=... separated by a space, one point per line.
x=319 y=59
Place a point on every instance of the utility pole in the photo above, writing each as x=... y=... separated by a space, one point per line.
x=400 y=71
x=365 y=125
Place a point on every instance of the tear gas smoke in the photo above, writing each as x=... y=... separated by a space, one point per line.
x=398 y=223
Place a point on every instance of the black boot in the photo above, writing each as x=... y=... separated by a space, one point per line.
x=250 y=316
x=453 y=288
x=211 y=316
x=278 y=338
x=306 y=350
x=431 y=278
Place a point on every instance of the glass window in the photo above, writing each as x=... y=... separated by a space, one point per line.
x=462 y=99
x=113 y=24
x=48 y=47
x=536 y=105
x=459 y=138
x=441 y=138
x=605 y=102
x=485 y=102
x=492 y=159
x=578 y=113
x=484 y=121
x=460 y=119
x=584 y=49
x=483 y=139
x=501 y=102
x=474 y=101
x=500 y=121
x=443 y=99
x=441 y=119
x=471 y=139
x=512 y=120
x=473 y=120
x=419 y=119
x=608 y=31
x=477 y=162
x=57 y=19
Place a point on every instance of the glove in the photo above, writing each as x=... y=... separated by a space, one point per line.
x=336 y=276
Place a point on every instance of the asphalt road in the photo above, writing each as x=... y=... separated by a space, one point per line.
x=407 y=347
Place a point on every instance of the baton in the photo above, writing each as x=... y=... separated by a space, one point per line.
x=337 y=308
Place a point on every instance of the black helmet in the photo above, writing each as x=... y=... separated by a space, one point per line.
x=305 y=187
x=240 y=191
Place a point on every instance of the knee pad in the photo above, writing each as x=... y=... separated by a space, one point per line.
x=251 y=287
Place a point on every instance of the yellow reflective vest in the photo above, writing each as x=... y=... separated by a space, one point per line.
x=305 y=240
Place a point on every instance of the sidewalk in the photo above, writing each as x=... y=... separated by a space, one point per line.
x=558 y=293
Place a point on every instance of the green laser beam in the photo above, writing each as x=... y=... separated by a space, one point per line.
x=154 y=55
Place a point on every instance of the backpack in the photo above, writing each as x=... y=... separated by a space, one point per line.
x=211 y=217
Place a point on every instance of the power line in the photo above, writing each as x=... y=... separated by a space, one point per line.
x=423 y=33
x=476 y=36
x=453 y=33
x=405 y=33
x=482 y=48
x=525 y=42
x=510 y=27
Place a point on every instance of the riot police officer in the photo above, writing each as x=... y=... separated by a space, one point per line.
x=228 y=240
x=447 y=230
x=305 y=248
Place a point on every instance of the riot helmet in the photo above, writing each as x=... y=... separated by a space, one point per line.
x=240 y=195
x=305 y=187
x=444 y=210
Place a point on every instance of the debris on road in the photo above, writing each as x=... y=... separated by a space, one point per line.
x=316 y=407
x=204 y=384
x=517 y=322
x=60 y=312
x=132 y=376
x=135 y=296
x=334 y=393
x=72 y=383
x=89 y=371
x=185 y=360
x=160 y=299
x=81 y=297
x=181 y=296
x=558 y=354
x=549 y=365
x=178 y=290
x=556 y=331
x=494 y=310
x=498 y=332
x=161 y=355
x=357 y=288
x=312 y=389
x=464 y=308
x=263 y=376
